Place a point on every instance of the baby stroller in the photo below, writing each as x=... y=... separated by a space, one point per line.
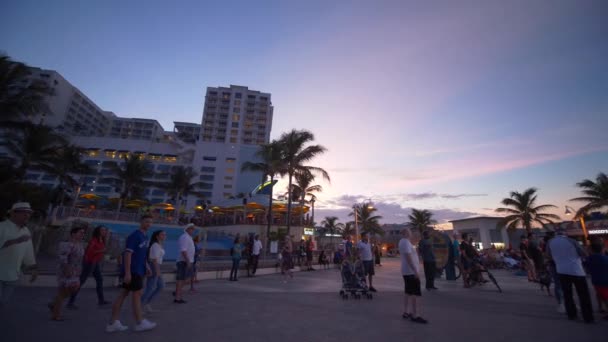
x=353 y=280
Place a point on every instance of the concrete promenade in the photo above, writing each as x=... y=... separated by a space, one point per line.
x=308 y=308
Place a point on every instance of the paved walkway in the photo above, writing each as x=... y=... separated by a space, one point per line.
x=308 y=308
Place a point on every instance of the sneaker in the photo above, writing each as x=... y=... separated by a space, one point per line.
x=561 y=308
x=148 y=308
x=116 y=326
x=145 y=325
x=419 y=320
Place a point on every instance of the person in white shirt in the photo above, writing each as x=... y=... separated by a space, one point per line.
x=410 y=269
x=567 y=254
x=154 y=283
x=185 y=260
x=365 y=253
x=255 y=253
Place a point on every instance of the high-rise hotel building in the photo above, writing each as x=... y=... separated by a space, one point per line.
x=235 y=122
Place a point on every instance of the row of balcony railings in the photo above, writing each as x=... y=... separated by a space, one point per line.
x=201 y=218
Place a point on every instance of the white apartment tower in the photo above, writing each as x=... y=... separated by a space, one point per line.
x=237 y=115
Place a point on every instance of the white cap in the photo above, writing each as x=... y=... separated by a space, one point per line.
x=21 y=206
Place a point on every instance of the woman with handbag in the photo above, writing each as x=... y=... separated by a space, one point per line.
x=69 y=269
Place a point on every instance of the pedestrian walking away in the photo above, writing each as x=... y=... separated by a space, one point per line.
x=255 y=253
x=567 y=254
x=236 y=254
x=425 y=247
x=185 y=262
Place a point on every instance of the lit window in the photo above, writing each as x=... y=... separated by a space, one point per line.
x=236 y=117
x=233 y=140
x=110 y=154
x=230 y=170
x=230 y=160
x=227 y=195
x=170 y=158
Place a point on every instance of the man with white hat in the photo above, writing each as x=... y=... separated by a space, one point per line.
x=16 y=249
x=185 y=260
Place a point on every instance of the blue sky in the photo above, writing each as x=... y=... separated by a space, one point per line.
x=440 y=105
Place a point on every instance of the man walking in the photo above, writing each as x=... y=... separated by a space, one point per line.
x=135 y=268
x=185 y=260
x=567 y=254
x=255 y=253
x=425 y=247
x=410 y=269
x=16 y=250
x=365 y=253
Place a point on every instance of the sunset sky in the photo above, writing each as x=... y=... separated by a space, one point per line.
x=440 y=105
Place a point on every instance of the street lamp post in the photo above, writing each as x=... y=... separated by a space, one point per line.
x=571 y=211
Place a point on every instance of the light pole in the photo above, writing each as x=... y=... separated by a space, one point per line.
x=571 y=211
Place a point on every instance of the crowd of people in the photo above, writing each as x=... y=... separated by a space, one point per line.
x=555 y=260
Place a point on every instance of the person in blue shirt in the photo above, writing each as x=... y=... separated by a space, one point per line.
x=135 y=268
x=597 y=265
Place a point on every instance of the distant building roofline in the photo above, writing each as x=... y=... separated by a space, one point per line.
x=478 y=218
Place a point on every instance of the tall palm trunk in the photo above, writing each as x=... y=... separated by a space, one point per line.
x=289 y=205
x=178 y=201
x=269 y=218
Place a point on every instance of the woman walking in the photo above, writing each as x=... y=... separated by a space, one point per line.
x=236 y=253
x=154 y=283
x=286 y=255
x=68 y=270
x=91 y=263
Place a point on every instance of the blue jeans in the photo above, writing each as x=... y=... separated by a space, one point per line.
x=235 y=268
x=154 y=285
x=87 y=269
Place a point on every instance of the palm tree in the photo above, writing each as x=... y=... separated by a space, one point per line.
x=270 y=165
x=421 y=219
x=521 y=209
x=367 y=221
x=32 y=145
x=330 y=226
x=65 y=164
x=349 y=229
x=132 y=175
x=17 y=102
x=181 y=185
x=303 y=188
x=295 y=154
x=596 y=194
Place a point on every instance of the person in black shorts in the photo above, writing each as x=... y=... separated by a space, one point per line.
x=135 y=268
x=410 y=269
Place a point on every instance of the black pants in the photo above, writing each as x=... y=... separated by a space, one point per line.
x=429 y=274
x=87 y=269
x=580 y=283
x=254 y=262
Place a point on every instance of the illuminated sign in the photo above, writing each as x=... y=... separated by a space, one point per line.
x=309 y=231
x=598 y=231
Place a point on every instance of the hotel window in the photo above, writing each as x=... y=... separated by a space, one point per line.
x=92 y=153
x=230 y=160
x=110 y=154
x=227 y=186
x=236 y=117
x=230 y=170
x=208 y=169
x=227 y=195
x=234 y=132
x=228 y=178
x=233 y=140
x=207 y=177
x=238 y=95
x=237 y=102
x=235 y=125
x=209 y=158
x=236 y=110
x=170 y=159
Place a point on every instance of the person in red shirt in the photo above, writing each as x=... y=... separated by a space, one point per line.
x=91 y=263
